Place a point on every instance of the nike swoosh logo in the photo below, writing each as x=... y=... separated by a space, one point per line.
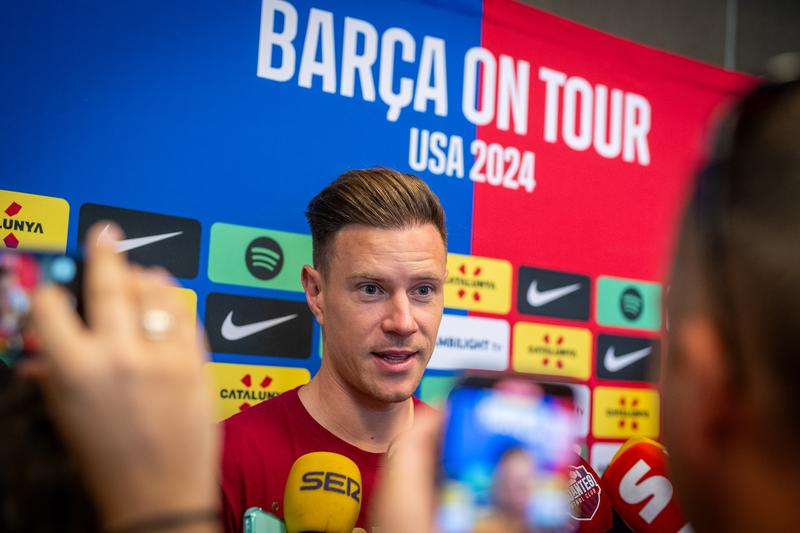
x=131 y=244
x=615 y=363
x=539 y=298
x=232 y=332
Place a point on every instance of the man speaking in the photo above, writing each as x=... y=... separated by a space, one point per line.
x=376 y=289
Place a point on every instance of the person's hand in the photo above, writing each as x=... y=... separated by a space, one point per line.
x=406 y=496
x=129 y=392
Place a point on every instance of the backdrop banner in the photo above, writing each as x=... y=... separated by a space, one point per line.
x=562 y=156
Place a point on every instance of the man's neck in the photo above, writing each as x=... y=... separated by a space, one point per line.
x=356 y=419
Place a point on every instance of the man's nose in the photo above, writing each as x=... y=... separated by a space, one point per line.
x=399 y=318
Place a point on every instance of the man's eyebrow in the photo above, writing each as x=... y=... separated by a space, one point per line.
x=428 y=277
x=366 y=276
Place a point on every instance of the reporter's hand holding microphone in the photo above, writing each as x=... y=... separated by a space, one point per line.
x=128 y=392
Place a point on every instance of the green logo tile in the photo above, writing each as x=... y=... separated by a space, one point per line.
x=258 y=257
x=628 y=303
x=434 y=390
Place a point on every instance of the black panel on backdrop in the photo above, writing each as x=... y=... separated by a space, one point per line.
x=150 y=239
x=553 y=294
x=258 y=326
x=627 y=358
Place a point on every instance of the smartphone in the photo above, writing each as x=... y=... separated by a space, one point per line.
x=20 y=274
x=507 y=445
x=256 y=520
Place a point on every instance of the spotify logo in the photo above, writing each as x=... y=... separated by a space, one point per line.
x=628 y=303
x=264 y=258
x=631 y=303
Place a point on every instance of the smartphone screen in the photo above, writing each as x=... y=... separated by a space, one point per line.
x=20 y=274
x=507 y=446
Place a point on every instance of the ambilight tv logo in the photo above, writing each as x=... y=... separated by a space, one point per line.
x=258 y=257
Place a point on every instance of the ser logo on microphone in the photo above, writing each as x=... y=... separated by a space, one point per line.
x=332 y=482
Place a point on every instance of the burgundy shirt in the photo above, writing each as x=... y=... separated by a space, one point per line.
x=261 y=444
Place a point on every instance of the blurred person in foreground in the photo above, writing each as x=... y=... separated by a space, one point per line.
x=128 y=395
x=733 y=367
x=729 y=391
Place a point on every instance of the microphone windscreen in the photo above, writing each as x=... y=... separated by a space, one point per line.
x=640 y=489
x=322 y=494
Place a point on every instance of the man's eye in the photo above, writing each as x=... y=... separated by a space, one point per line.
x=425 y=290
x=370 y=289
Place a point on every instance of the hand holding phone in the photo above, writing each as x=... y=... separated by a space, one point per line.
x=21 y=274
x=507 y=446
x=129 y=397
x=414 y=475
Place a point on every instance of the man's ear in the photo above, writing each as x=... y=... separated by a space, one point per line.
x=313 y=285
x=710 y=401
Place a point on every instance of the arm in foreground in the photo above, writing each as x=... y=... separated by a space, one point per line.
x=134 y=408
x=406 y=492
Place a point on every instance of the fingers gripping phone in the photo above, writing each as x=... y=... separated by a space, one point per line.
x=20 y=274
x=507 y=444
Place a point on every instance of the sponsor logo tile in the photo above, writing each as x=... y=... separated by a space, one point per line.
x=471 y=342
x=627 y=358
x=32 y=222
x=256 y=257
x=601 y=455
x=258 y=326
x=433 y=390
x=239 y=387
x=554 y=294
x=552 y=350
x=189 y=297
x=628 y=303
x=151 y=239
x=582 y=400
x=620 y=413
x=478 y=284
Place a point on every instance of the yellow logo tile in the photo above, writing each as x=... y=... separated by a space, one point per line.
x=622 y=412
x=552 y=350
x=33 y=222
x=190 y=298
x=238 y=387
x=478 y=284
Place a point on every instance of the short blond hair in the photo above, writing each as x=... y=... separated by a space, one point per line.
x=376 y=197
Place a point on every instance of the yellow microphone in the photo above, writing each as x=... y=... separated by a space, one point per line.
x=322 y=495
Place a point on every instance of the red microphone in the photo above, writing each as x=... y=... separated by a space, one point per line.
x=640 y=491
x=590 y=506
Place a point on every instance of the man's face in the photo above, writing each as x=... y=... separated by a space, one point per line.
x=380 y=306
